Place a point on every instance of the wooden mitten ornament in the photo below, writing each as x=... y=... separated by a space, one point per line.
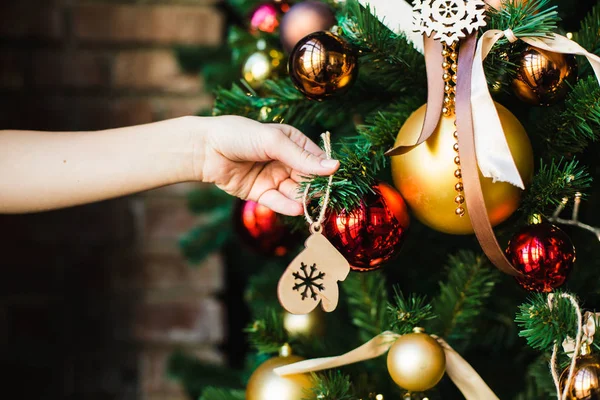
x=313 y=276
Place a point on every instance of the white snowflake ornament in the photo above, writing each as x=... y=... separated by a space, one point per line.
x=451 y=20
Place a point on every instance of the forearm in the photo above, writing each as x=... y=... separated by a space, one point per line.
x=47 y=170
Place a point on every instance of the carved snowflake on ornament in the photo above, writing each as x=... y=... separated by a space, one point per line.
x=451 y=20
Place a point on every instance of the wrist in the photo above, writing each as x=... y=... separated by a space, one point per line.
x=192 y=132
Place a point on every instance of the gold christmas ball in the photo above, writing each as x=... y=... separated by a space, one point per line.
x=585 y=384
x=323 y=65
x=544 y=77
x=307 y=325
x=261 y=66
x=264 y=384
x=416 y=361
x=426 y=175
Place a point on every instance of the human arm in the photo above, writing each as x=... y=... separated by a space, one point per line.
x=48 y=170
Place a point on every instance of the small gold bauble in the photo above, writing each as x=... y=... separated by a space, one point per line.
x=425 y=174
x=307 y=325
x=544 y=77
x=323 y=65
x=261 y=66
x=585 y=384
x=416 y=362
x=264 y=384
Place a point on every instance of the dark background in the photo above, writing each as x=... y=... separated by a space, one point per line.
x=94 y=299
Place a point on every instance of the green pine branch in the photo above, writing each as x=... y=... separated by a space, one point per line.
x=381 y=127
x=353 y=180
x=409 y=312
x=552 y=183
x=222 y=394
x=388 y=61
x=267 y=334
x=529 y=18
x=571 y=128
x=542 y=326
x=538 y=381
x=367 y=303
x=463 y=296
x=589 y=37
x=279 y=101
x=195 y=376
x=331 y=385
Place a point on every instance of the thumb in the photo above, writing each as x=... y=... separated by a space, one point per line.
x=301 y=159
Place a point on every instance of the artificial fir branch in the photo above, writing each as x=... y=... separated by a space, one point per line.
x=381 y=127
x=195 y=376
x=538 y=382
x=531 y=18
x=202 y=240
x=222 y=394
x=589 y=37
x=367 y=301
x=572 y=128
x=267 y=334
x=209 y=199
x=280 y=102
x=542 y=326
x=354 y=178
x=408 y=312
x=331 y=385
x=463 y=296
x=396 y=64
x=552 y=183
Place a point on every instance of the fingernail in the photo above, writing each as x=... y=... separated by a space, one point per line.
x=329 y=163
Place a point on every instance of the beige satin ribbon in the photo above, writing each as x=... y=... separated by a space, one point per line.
x=589 y=330
x=458 y=369
x=493 y=155
x=435 y=96
x=468 y=158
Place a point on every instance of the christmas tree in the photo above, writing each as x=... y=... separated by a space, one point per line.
x=466 y=132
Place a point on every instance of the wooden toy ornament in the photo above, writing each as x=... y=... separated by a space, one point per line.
x=313 y=275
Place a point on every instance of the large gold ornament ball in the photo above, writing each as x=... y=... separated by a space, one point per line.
x=264 y=384
x=585 y=384
x=261 y=66
x=425 y=174
x=416 y=362
x=323 y=65
x=544 y=77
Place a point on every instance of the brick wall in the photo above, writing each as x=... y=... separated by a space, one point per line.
x=93 y=299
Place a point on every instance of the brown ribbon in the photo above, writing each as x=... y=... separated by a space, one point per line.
x=468 y=160
x=435 y=95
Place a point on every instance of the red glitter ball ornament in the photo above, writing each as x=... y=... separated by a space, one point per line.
x=261 y=228
x=374 y=232
x=266 y=17
x=544 y=254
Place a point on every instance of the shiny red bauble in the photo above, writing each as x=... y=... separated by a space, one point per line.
x=374 y=232
x=261 y=228
x=266 y=17
x=544 y=254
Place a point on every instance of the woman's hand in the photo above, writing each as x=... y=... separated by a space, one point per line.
x=260 y=162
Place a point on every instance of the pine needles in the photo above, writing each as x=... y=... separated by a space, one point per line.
x=552 y=183
x=463 y=296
